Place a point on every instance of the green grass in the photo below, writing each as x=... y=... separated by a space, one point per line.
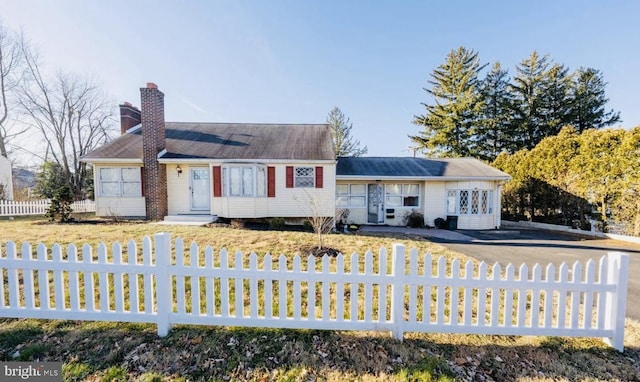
x=125 y=351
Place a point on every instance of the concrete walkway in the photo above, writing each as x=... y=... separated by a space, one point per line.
x=441 y=234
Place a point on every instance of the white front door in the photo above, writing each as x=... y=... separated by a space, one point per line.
x=200 y=189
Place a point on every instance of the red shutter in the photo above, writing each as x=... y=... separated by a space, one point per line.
x=289 y=176
x=142 y=181
x=217 y=181
x=318 y=177
x=271 y=182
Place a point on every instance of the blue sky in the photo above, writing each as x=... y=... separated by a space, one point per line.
x=292 y=61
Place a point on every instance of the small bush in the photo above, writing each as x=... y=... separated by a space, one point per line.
x=276 y=223
x=307 y=225
x=440 y=223
x=60 y=208
x=238 y=223
x=414 y=219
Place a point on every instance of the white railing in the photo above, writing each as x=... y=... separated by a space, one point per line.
x=39 y=207
x=398 y=294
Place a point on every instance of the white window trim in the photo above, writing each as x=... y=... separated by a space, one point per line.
x=226 y=180
x=402 y=195
x=312 y=176
x=121 y=182
x=469 y=208
x=349 y=196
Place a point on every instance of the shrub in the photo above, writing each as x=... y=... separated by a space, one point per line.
x=276 y=223
x=60 y=208
x=414 y=219
x=440 y=223
x=238 y=223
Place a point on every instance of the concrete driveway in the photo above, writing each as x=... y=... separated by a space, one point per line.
x=536 y=246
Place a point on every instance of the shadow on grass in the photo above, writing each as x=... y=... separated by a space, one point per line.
x=205 y=353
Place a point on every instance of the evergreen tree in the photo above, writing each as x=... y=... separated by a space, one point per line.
x=343 y=142
x=556 y=99
x=627 y=206
x=494 y=134
x=450 y=123
x=600 y=167
x=588 y=100
x=528 y=89
x=50 y=179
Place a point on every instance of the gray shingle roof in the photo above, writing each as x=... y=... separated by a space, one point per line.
x=456 y=168
x=228 y=141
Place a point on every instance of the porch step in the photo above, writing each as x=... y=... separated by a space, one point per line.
x=189 y=219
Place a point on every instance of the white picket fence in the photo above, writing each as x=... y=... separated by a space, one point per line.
x=398 y=294
x=39 y=207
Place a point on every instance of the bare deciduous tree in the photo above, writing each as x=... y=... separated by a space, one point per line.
x=11 y=73
x=70 y=112
x=316 y=209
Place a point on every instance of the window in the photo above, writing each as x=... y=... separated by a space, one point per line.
x=120 y=181
x=244 y=181
x=402 y=195
x=304 y=177
x=451 y=202
x=474 y=202
x=464 y=202
x=351 y=195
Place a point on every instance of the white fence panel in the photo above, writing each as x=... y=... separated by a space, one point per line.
x=406 y=293
x=39 y=207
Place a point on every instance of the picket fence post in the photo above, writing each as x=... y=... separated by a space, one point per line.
x=164 y=304
x=617 y=274
x=397 y=291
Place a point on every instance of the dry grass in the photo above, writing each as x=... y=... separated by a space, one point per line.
x=260 y=241
x=108 y=351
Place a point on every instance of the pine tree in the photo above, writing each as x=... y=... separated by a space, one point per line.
x=588 y=100
x=557 y=110
x=343 y=142
x=494 y=134
x=450 y=124
x=528 y=89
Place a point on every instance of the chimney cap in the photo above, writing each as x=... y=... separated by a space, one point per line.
x=129 y=105
x=151 y=85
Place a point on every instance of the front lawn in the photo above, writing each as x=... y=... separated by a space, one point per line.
x=121 y=351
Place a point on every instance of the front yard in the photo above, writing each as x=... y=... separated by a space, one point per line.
x=117 y=351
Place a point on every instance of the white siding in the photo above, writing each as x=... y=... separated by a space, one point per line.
x=476 y=222
x=6 y=178
x=178 y=190
x=295 y=202
x=120 y=207
x=435 y=202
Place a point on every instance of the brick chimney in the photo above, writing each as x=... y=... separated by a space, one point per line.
x=153 y=141
x=129 y=117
